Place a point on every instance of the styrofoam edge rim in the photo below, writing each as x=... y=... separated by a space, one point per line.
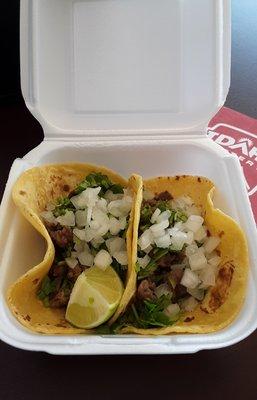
x=132 y=344
x=123 y=348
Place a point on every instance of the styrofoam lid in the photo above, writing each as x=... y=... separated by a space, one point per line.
x=124 y=64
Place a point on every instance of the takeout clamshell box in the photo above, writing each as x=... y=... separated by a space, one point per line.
x=129 y=84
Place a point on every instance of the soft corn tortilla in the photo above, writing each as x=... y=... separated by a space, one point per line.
x=35 y=189
x=223 y=302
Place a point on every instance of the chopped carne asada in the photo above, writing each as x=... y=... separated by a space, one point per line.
x=145 y=290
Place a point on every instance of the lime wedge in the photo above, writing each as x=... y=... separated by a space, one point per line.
x=94 y=298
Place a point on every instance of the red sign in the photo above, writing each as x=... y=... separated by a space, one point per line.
x=237 y=133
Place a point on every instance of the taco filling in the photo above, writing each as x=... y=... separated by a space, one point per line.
x=177 y=261
x=88 y=228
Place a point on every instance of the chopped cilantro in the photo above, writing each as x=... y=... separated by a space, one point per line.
x=120 y=269
x=68 y=250
x=146 y=314
x=117 y=189
x=137 y=267
x=48 y=286
x=103 y=330
x=96 y=179
x=146 y=214
x=152 y=266
x=177 y=216
x=63 y=204
x=102 y=247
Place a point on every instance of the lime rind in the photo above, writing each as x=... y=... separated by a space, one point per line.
x=94 y=298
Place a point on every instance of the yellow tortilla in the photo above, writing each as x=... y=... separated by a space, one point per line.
x=35 y=189
x=223 y=302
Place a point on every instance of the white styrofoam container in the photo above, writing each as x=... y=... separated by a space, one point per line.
x=130 y=84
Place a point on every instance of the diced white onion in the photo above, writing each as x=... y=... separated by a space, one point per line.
x=99 y=215
x=198 y=294
x=201 y=234
x=164 y=216
x=89 y=214
x=100 y=222
x=178 y=240
x=197 y=261
x=121 y=257
x=183 y=202
x=160 y=233
x=178 y=227
x=80 y=233
x=148 y=249
x=156 y=214
x=120 y=208
x=208 y=277
x=102 y=204
x=86 y=259
x=48 y=217
x=68 y=219
x=147 y=195
x=90 y=234
x=81 y=218
x=87 y=198
x=97 y=242
x=194 y=223
x=172 y=310
x=211 y=243
x=144 y=261
x=214 y=261
x=123 y=223
x=91 y=196
x=178 y=203
x=115 y=226
x=115 y=245
x=192 y=210
x=79 y=201
x=189 y=304
x=190 y=238
x=189 y=279
x=163 y=289
x=86 y=247
x=191 y=249
x=50 y=207
x=71 y=262
x=146 y=239
x=78 y=244
x=110 y=196
x=160 y=226
x=163 y=242
x=103 y=259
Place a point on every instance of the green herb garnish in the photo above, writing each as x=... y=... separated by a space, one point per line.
x=177 y=216
x=48 y=286
x=146 y=214
x=103 y=330
x=146 y=314
x=117 y=189
x=152 y=266
x=63 y=204
x=120 y=269
x=97 y=179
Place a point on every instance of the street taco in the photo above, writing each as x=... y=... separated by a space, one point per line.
x=85 y=214
x=192 y=261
